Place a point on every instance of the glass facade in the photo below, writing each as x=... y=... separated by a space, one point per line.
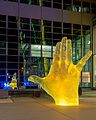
x=94 y=51
x=70 y=5
x=27 y=44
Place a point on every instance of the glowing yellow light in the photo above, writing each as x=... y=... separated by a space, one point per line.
x=63 y=79
x=22 y=68
x=13 y=83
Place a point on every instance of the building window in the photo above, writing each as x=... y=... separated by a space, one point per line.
x=67 y=30
x=12 y=29
x=25 y=1
x=47 y=32
x=57 y=4
x=2 y=48
x=46 y=3
x=57 y=32
x=2 y=58
x=67 y=5
x=35 y=2
x=94 y=8
x=13 y=0
x=86 y=7
x=86 y=38
x=76 y=38
x=24 y=30
x=76 y=6
x=2 y=27
x=35 y=31
x=2 y=36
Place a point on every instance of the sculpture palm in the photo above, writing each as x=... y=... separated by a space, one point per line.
x=63 y=79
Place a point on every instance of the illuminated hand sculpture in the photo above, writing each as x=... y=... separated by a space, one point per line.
x=63 y=79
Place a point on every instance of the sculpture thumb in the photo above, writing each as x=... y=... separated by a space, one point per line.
x=83 y=60
x=35 y=79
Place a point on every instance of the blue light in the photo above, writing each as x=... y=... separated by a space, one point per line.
x=6 y=86
x=26 y=83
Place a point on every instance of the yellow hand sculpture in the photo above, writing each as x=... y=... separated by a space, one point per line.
x=63 y=79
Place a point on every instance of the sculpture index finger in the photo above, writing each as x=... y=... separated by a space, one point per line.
x=83 y=61
x=56 y=56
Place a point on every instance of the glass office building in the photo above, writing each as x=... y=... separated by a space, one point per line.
x=30 y=29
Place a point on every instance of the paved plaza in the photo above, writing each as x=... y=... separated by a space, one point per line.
x=43 y=108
